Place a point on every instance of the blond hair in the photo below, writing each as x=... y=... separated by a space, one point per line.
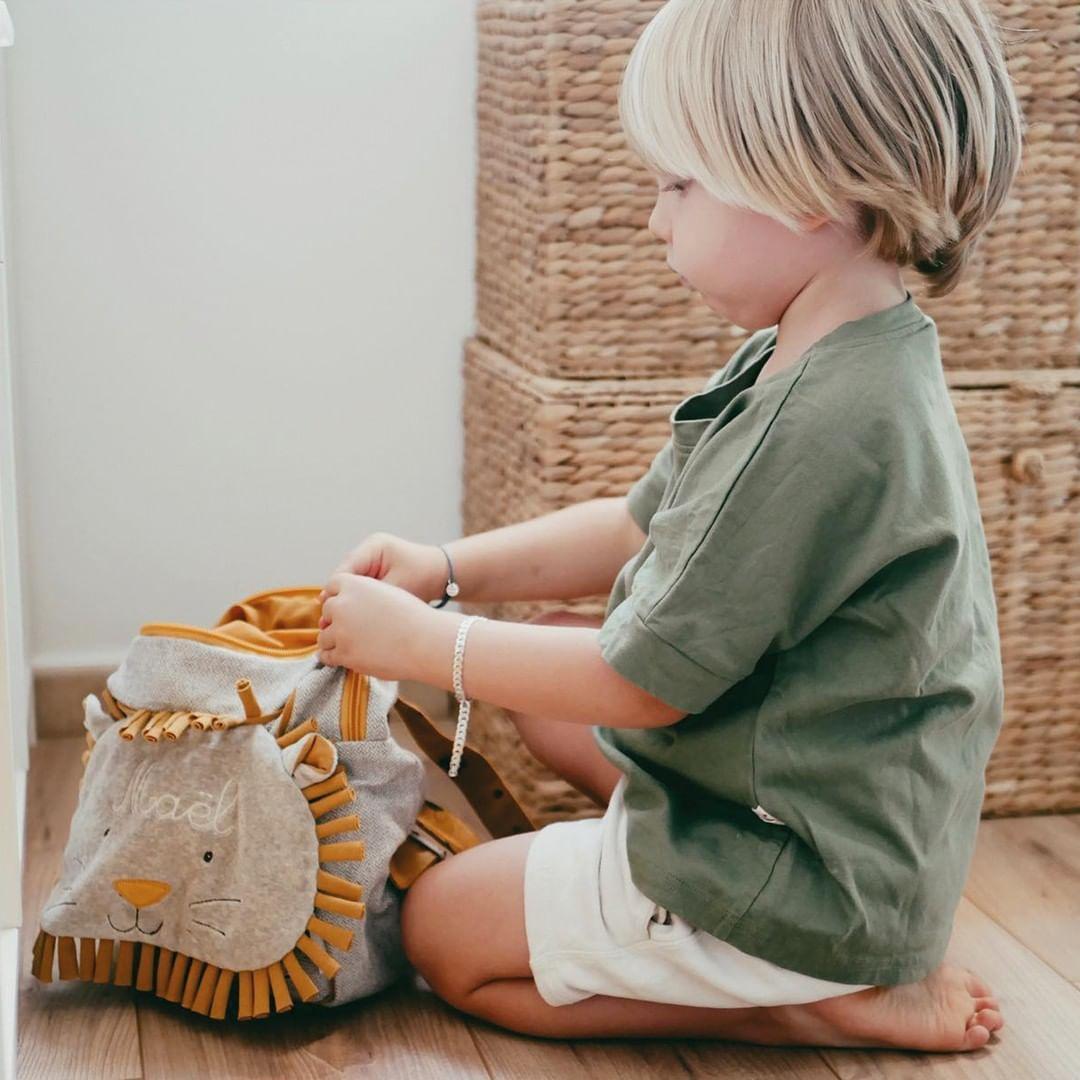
x=894 y=117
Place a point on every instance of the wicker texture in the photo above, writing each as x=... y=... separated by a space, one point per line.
x=1024 y=441
x=534 y=444
x=543 y=795
x=586 y=341
x=571 y=283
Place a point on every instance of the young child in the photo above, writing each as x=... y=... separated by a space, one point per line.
x=789 y=705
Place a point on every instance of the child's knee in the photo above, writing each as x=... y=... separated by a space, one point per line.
x=419 y=921
x=428 y=942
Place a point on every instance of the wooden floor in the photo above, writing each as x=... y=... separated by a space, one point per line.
x=1019 y=927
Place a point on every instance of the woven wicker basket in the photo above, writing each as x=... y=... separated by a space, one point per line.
x=571 y=283
x=534 y=444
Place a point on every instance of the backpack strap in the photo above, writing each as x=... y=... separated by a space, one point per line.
x=435 y=835
x=477 y=778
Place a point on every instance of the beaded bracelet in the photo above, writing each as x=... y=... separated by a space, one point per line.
x=459 y=692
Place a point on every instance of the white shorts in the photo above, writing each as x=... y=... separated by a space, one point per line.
x=591 y=931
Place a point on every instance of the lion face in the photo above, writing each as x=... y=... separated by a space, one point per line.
x=205 y=846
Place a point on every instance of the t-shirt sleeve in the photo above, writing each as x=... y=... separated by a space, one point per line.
x=760 y=548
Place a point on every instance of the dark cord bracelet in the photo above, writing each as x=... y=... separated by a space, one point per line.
x=452 y=587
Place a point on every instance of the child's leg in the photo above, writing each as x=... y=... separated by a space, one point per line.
x=463 y=925
x=569 y=749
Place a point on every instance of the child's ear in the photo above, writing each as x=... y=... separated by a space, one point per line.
x=95 y=719
x=310 y=759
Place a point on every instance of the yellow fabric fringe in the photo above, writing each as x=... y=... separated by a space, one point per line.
x=195 y=984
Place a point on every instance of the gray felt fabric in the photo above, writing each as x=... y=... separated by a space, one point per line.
x=167 y=804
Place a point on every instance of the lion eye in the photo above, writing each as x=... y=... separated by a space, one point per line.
x=106 y=832
x=207 y=856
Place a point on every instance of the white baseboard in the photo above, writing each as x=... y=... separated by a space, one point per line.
x=48 y=662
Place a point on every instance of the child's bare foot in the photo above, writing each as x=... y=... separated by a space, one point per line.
x=951 y=1009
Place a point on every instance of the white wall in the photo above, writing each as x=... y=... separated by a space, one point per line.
x=242 y=233
x=16 y=691
x=15 y=684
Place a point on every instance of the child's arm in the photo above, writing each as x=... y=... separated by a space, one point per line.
x=555 y=671
x=526 y=667
x=552 y=670
x=576 y=551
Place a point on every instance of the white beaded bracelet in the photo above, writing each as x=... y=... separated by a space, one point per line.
x=459 y=692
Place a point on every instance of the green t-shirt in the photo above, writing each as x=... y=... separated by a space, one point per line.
x=815 y=591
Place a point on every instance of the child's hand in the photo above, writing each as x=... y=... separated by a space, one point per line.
x=417 y=568
x=370 y=626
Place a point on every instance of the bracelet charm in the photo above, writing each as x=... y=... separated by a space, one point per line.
x=452 y=588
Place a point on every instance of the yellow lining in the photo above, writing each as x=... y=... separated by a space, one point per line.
x=213 y=637
x=210 y=637
x=195 y=984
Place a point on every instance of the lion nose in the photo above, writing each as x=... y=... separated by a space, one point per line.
x=141 y=893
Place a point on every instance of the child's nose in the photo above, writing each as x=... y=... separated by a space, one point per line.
x=658 y=224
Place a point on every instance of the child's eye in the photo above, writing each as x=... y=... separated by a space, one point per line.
x=678 y=185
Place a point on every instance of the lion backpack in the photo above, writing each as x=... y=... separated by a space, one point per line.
x=246 y=822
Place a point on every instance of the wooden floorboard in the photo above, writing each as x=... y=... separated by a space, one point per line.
x=66 y=1029
x=512 y=1057
x=1041 y=1040
x=1020 y=929
x=1026 y=875
x=401 y=1032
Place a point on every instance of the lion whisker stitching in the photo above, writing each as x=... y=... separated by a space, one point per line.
x=199 y=985
x=209 y=927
